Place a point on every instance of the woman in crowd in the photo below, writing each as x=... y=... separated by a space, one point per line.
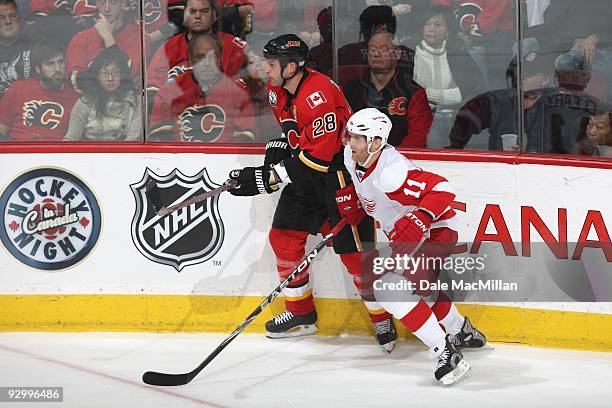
x=110 y=108
x=444 y=68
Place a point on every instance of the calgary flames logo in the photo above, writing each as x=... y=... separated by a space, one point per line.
x=397 y=106
x=152 y=11
x=201 y=123
x=291 y=132
x=42 y=114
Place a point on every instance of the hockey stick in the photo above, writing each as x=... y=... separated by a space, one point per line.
x=154 y=197
x=155 y=378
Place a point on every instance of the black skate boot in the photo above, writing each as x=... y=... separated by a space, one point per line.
x=451 y=365
x=468 y=337
x=386 y=334
x=287 y=324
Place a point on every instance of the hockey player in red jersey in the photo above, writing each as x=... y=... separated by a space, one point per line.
x=312 y=112
x=202 y=104
x=413 y=208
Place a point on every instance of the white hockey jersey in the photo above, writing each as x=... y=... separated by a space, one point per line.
x=393 y=186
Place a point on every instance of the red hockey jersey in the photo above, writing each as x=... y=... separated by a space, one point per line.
x=182 y=112
x=173 y=58
x=313 y=119
x=33 y=113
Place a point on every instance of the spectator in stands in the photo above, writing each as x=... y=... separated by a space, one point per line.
x=38 y=108
x=15 y=47
x=266 y=17
x=320 y=56
x=554 y=116
x=598 y=140
x=488 y=27
x=236 y=17
x=173 y=58
x=267 y=126
x=390 y=88
x=298 y=16
x=202 y=104
x=353 y=58
x=112 y=29
x=445 y=69
x=110 y=108
x=159 y=19
x=580 y=36
x=408 y=14
x=60 y=20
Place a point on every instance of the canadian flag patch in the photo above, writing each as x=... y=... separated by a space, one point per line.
x=239 y=42
x=315 y=99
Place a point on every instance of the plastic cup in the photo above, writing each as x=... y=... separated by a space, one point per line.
x=509 y=141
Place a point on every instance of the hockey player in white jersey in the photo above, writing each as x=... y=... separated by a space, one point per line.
x=413 y=209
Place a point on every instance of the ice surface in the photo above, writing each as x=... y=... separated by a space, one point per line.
x=105 y=370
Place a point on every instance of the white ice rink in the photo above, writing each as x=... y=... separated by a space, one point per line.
x=105 y=369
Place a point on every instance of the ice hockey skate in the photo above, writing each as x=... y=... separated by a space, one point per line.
x=386 y=334
x=468 y=337
x=287 y=324
x=451 y=365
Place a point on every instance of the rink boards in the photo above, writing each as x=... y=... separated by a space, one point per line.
x=82 y=250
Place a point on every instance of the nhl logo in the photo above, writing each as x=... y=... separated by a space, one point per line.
x=50 y=219
x=188 y=236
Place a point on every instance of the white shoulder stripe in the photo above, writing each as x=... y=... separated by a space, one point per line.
x=396 y=169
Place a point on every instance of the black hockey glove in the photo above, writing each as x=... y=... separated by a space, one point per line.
x=277 y=150
x=252 y=181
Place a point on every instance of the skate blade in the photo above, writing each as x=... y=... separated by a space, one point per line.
x=297 y=331
x=486 y=347
x=388 y=347
x=458 y=373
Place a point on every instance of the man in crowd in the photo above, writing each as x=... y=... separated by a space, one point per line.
x=172 y=58
x=38 y=108
x=579 y=38
x=202 y=104
x=112 y=29
x=15 y=48
x=390 y=88
x=555 y=116
x=353 y=58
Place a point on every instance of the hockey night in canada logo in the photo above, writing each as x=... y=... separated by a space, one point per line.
x=188 y=236
x=50 y=219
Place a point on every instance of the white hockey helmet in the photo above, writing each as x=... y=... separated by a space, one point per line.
x=370 y=123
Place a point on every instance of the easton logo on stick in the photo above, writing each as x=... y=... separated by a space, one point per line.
x=187 y=236
x=49 y=219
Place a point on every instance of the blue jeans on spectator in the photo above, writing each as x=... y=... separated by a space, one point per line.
x=602 y=64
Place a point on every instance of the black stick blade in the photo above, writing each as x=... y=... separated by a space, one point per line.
x=155 y=378
x=153 y=195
